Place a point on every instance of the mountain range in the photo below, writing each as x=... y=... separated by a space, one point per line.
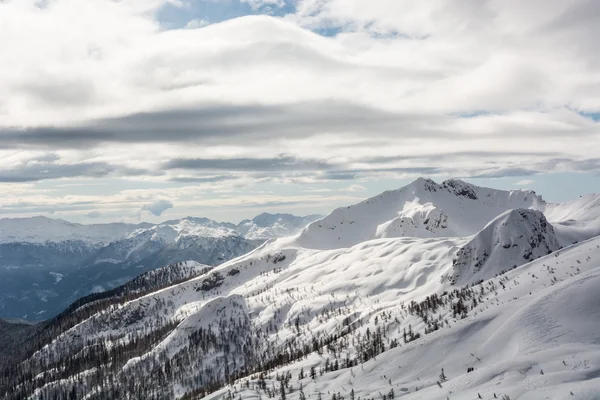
x=45 y=264
x=432 y=291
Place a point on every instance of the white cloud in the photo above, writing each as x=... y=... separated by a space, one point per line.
x=197 y=23
x=356 y=188
x=256 y=4
x=406 y=88
x=525 y=182
x=158 y=207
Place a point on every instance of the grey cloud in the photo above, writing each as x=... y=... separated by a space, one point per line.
x=53 y=92
x=93 y=214
x=338 y=176
x=48 y=158
x=502 y=172
x=158 y=207
x=282 y=163
x=460 y=154
x=47 y=208
x=580 y=14
x=403 y=170
x=38 y=171
x=202 y=179
x=217 y=123
x=583 y=165
x=592 y=164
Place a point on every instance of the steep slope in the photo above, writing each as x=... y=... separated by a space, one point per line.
x=421 y=209
x=18 y=339
x=511 y=239
x=268 y=226
x=11 y=336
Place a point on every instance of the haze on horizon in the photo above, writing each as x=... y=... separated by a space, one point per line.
x=154 y=110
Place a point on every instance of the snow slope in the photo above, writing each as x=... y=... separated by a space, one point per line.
x=575 y=220
x=531 y=339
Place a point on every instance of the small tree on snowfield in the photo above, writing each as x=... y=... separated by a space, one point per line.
x=443 y=376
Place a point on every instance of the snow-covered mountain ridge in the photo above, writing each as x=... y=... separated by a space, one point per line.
x=453 y=208
x=488 y=314
x=42 y=230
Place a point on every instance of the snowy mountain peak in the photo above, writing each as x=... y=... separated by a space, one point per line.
x=512 y=239
x=172 y=231
x=422 y=209
x=266 y=219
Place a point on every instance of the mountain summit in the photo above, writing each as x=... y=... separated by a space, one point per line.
x=422 y=209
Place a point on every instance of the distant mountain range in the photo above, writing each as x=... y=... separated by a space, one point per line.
x=45 y=264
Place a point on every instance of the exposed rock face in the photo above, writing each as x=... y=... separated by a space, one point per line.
x=460 y=188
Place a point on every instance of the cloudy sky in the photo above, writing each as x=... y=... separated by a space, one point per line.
x=157 y=109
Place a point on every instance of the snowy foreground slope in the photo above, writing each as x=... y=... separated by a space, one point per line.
x=474 y=281
x=536 y=336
